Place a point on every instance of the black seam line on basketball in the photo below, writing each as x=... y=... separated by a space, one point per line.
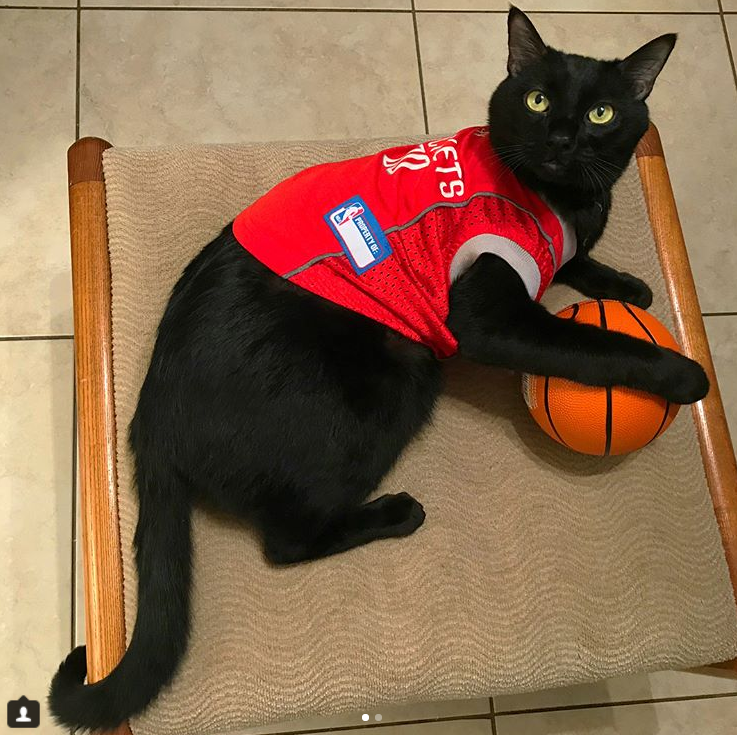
x=639 y=321
x=652 y=339
x=608 y=445
x=547 y=411
x=493 y=195
x=602 y=314
x=575 y=308
x=662 y=423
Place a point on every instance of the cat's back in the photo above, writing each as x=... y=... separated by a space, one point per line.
x=229 y=313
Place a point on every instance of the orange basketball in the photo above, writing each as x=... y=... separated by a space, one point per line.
x=602 y=421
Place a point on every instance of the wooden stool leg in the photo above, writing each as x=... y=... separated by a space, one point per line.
x=103 y=564
x=717 y=451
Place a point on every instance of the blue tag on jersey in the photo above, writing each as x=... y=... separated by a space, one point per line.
x=359 y=234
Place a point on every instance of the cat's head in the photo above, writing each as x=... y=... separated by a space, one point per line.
x=568 y=120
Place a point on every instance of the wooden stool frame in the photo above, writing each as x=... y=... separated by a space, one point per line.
x=102 y=558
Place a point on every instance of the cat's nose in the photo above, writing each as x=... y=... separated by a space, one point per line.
x=560 y=143
x=561 y=135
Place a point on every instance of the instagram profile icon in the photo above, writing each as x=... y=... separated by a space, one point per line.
x=23 y=712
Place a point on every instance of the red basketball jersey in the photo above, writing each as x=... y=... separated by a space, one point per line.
x=386 y=234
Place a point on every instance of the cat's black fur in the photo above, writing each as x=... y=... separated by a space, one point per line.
x=269 y=403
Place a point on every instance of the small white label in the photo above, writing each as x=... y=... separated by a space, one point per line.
x=359 y=234
x=354 y=237
x=529 y=392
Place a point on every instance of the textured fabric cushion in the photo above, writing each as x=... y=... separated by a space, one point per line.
x=535 y=567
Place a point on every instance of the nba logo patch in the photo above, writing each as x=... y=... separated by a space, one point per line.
x=359 y=234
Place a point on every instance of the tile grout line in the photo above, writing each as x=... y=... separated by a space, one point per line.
x=77 y=70
x=414 y=12
x=265 y=9
x=207 y=8
x=75 y=529
x=727 y=41
x=493 y=714
x=472 y=11
x=623 y=703
x=379 y=726
x=41 y=337
x=36 y=337
x=419 y=67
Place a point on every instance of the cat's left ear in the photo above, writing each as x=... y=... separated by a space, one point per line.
x=525 y=44
x=642 y=67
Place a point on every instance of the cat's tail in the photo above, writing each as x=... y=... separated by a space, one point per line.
x=160 y=636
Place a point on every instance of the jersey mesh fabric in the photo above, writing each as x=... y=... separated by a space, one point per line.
x=415 y=281
x=427 y=200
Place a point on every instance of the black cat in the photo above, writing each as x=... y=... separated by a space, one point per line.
x=274 y=404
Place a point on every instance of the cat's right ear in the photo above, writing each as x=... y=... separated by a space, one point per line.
x=525 y=44
x=642 y=67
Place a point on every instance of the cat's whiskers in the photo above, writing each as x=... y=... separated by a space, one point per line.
x=589 y=178
x=601 y=178
x=608 y=174
x=609 y=178
x=607 y=166
x=610 y=171
x=509 y=154
x=512 y=162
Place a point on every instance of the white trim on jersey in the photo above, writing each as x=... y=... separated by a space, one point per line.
x=569 y=238
x=508 y=250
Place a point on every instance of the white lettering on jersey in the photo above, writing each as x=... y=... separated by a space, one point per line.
x=452 y=189
x=443 y=153
x=413 y=160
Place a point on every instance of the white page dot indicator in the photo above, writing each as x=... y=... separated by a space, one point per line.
x=365 y=718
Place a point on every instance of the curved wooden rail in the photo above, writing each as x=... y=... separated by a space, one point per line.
x=96 y=426
x=717 y=451
x=103 y=563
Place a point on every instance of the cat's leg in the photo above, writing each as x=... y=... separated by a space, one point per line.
x=316 y=505
x=316 y=405
x=496 y=322
x=291 y=539
x=599 y=281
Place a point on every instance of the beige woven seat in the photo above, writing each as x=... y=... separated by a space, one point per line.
x=536 y=567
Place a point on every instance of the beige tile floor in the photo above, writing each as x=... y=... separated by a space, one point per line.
x=156 y=72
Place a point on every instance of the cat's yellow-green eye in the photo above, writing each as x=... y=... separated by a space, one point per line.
x=601 y=114
x=537 y=101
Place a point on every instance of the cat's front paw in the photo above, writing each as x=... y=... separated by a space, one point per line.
x=634 y=291
x=684 y=380
x=402 y=513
